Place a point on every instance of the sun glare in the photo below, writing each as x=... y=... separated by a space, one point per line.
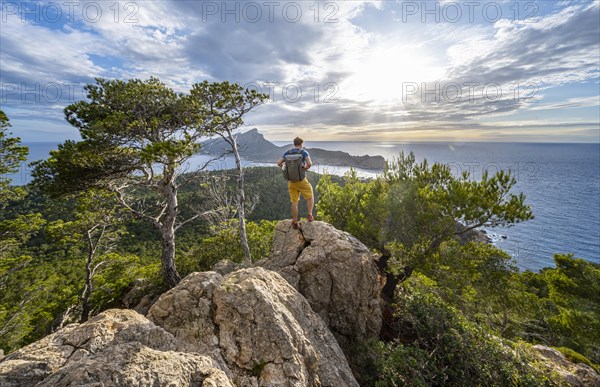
x=381 y=74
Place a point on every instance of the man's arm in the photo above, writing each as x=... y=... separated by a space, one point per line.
x=308 y=163
x=280 y=162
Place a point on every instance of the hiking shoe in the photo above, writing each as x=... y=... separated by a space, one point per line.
x=294 y=224
x=311 y=218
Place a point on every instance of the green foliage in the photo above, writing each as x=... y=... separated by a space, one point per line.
x=45 y=294
x=480 y=280
x=42 y=285
x=78 y=166
x=33 y=298
x=223 y=104
x=438 y=346
x=223 y=243
x=137 y=136
x=417 y=207
x=258 y=367
x=357 y=206
x=93 y=233
x=12 y=154
x=16 y=230
x=118 y=276
x=574 y=287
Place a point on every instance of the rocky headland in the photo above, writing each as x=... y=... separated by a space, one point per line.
x=254 y=147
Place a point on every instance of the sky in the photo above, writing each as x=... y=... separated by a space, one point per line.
x=496 y=71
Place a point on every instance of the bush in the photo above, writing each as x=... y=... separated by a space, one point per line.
x=225 y=244
x=437 y=346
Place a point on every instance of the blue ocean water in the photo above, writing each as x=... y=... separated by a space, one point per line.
x=561 y=182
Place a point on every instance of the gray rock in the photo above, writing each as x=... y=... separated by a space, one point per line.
x=248 y=328
x=225 y=266
x=133 y=364
x=257 y=326
x=336 y=273
x=141 y=296
x=474 y=235
x=116 y=345
x=580 y=375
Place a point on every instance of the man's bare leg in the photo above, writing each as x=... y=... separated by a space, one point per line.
x=295 y=210
x=310 y=204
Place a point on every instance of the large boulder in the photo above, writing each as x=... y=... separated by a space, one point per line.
x=336 y=273
x=256 y=325
x=247 y=328
x=115 y=348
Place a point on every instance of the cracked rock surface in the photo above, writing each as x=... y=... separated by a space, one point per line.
x=256 y=326
x=115 y=348
x=247 y=328
x=336 y=273
x=580 y=375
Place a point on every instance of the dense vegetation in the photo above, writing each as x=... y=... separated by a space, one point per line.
x=137 y=137
x=459 y=304
x=460 y=312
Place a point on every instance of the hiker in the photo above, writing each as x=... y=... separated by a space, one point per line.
x=297 y=161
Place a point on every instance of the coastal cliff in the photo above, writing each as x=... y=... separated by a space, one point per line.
x=254 y=147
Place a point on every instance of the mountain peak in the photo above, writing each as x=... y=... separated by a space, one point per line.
x=254 y=146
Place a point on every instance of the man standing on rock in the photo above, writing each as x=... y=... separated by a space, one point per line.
x=297 y=161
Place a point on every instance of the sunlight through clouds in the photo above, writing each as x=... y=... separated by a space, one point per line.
x=354 y=64
x=380 y=73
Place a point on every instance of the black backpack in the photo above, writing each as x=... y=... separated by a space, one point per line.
x=293 y=167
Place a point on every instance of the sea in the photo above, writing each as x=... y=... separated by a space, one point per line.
x=561 y=183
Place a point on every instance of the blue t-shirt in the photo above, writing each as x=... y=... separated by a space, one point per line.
x=295 y=151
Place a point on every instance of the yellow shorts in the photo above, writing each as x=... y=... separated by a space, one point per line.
x=300 y=187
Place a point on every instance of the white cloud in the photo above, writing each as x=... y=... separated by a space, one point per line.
x=347 y=58
x=38 y=54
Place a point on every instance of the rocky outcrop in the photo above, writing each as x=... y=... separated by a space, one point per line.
x=579 y=375
x=115 y=348
x=133 y=364
x=283 y=323
x=142 y=295
x=473 y=235
x=247 y=328
x=256 y=326
x=336 y=273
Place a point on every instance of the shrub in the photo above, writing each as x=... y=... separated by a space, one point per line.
x=224 y=243
x=437 y=346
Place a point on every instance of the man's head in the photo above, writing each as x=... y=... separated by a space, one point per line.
x=298 y=141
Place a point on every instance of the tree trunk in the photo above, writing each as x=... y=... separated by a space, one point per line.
x=241 y=201
x=87 y=290
x=170 y=275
